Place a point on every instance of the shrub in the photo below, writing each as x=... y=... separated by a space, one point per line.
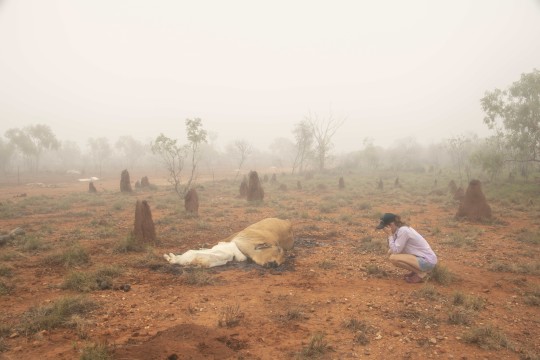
x=294 y=314
x=96 y=352
x=374 y=270
x=441 y=275
x=317 y=346
x=32 y=243
x=6 y=271
x=459 y=317
x=129 y=244
x=529 y=237
x=369 y=245
x=458 y=298
x=487 y=338
x=198 y=277
x=427 y=291
x=230 y=316
x=86 y=281
x=5 y=288
x=80 y=281
x=532 y=297
x=459 y=240
x=56 y=314
x=326 y=264
x=74 y=256
x=355 y=325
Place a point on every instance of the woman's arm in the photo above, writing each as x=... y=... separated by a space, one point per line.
x=398 y=241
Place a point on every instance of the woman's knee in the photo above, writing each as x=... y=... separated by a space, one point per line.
x=393 y=259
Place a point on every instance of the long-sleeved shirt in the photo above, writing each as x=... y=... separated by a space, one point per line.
x=406 y=240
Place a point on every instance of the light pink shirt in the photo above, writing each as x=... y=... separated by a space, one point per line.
x=406 y=240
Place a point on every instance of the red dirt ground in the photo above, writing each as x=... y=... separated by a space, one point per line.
x=326 y=282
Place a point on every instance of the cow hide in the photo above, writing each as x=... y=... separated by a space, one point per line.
x=264 y=242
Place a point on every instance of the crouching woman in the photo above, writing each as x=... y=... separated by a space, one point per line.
x=407 y=248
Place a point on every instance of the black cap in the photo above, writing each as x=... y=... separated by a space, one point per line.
x=386 y=219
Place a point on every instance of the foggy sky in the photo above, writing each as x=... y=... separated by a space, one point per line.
x=252 y=69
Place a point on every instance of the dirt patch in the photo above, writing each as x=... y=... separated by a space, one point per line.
x=334 y=297
x=185 y=341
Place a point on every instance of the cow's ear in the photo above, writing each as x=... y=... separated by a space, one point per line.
x=262 y=246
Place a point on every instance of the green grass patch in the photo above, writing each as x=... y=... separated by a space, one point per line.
x=460 y=316
x=5 y=288
x=10 y=256
x=368 y=244
x=427 y=291
x=31 y=243
x=294 y=314
x=459 y=240
x=105 y=232
x=6 y=271
x=129 y=244
x=529 y=237
x=198 y=277
x=229 y=316
x=96 y=352
x=441 y=275
x=80 y=281
x=362 y=330
x=55 y=315
x=327 y=208
x=76 y=255
x=375 y=271
x=85 y=281
x=488 y=338
x=520 y=268
x=326 y=264
x=317 y=347
x=532 y=297
x=203 y=225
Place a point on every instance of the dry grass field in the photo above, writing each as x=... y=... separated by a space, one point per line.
x=76 y=286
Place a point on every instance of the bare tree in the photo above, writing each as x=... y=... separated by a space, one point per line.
x=172 y=154
x=242 y=149
x=6 y=153
x=132 y=150
x=303 y=135
x=196 y=136
x=323 y=132
x=32 y=140
x=283 y=152
x=458 y=148
x=100 y=149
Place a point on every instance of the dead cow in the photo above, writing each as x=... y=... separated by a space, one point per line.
x=264 y=242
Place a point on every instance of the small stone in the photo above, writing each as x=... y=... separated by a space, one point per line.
x=14 y=335
x=433 y=341
x=397 y=333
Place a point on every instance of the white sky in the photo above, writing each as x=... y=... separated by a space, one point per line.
x=252 y=69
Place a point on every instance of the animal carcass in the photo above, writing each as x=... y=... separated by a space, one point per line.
x=264 y=242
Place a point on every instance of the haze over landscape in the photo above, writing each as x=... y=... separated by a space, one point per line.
x=251 y=70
